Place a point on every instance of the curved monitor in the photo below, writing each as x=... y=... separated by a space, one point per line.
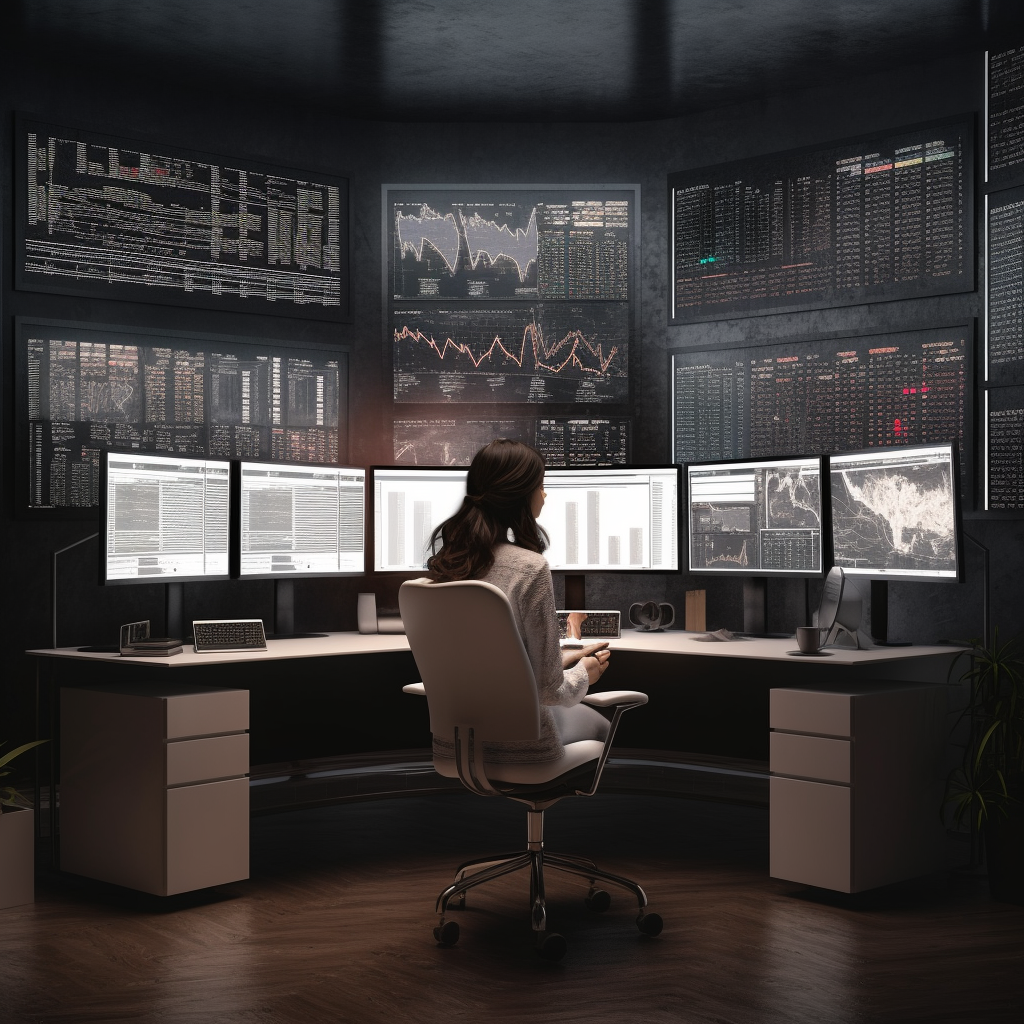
x=292 y=521
x=896 y=513
x=163 y=518
x=756 y=517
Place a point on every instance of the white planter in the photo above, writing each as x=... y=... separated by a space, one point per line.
x=17 y=857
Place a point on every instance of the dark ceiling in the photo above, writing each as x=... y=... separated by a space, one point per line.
x=504 y=60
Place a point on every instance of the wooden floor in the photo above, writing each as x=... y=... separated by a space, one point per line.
x=335 y=925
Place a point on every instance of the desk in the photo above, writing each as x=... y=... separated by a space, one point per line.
x=711 y=697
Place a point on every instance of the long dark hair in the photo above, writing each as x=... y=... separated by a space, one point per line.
x=502 y=479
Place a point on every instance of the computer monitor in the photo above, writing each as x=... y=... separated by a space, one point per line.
x=408 y=503
x=896 y=513
x=298 y=520
x=756 y=517
x=163 y=518
x=612 y=519
x=839 y=611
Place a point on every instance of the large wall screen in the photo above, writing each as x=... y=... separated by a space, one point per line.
x=148 y=222
x=886 y=217
x=84 y=389
x=510 y=294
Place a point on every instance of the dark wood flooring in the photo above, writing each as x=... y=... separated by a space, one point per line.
x=335 y=925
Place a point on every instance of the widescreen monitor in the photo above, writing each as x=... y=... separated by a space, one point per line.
x=163 y=518
x=612 y=519
x=298 y=520
x=408 y=503
x=756 y=517
x=896 y=513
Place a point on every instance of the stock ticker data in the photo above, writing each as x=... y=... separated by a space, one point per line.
x=87 y=390
x=1005 y=444
x=511 y=295
x=824 y=396
x=117 y=219
x=1004 y=349
x=561 y=440
x=889 y=217
x=1005 y=156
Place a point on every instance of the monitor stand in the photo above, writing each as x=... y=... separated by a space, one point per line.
x=174 y=610
x=880 y=616
x=284 y=613
x=575 y=592
x=755 y=608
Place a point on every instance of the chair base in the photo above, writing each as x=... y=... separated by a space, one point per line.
x=549 y=944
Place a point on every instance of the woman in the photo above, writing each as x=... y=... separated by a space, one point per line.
x=494 y=537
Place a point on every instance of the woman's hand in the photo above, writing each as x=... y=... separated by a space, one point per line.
x=570 y=656
x=595 y=665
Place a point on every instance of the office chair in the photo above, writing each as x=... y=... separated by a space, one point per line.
x=480 y=687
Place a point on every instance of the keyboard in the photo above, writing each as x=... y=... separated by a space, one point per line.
x=228 y=635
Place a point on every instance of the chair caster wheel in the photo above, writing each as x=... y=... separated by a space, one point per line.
x=551 y=947
x=598 y=901
x=447 y=934
x=650 y=924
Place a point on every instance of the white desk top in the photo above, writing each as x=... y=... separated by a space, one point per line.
x=669 y=642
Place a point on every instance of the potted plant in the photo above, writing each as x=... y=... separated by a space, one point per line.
x=17 y=838
x=987 y=788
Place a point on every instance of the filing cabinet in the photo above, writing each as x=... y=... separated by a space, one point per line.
x=154 y=788
x=856 y=783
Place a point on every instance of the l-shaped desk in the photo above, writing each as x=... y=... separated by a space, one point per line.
x=327 y=710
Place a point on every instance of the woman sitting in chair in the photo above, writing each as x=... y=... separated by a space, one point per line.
x=494 y=537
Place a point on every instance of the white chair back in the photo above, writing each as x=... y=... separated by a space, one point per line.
x=471 y=659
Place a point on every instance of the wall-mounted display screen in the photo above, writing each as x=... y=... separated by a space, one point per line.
x=163 y=518
x=612 y=519
x=83 y=389
x=896 y=513
x=299 y=520
x=1004 y=287
x=510 y=294
x=1004 y=424
x=840 y=394
x=885 y=217
x=562 y=440
x=756 y=518
x=1004 y=156
x=149 y=222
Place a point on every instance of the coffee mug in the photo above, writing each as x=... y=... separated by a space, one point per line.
x=808 y=639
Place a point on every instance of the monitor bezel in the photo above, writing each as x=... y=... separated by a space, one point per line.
x=104 y=580
x=235 y=522
x=628 y=570
x=891 y=576
x=825 y=542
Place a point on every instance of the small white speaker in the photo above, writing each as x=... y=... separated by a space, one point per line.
x=366 y=613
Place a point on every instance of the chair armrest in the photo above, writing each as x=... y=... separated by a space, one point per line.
x=415 y=688
x=611 y=698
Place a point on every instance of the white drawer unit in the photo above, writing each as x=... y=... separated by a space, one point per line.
x=154 y=788
x=856 y=783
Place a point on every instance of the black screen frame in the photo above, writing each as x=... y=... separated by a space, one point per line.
x=25 y=511
x=104 y=580
x=825 y=538
x=958 y=518
x=235 y=524
x=131 y=292
x=617 y=470
x=774 y=165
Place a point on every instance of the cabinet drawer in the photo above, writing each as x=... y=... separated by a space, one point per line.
x=810 y=757
x=815 y=711
x=206 y=714
x=810 y=833
x=211 y=757
x=207 y=835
